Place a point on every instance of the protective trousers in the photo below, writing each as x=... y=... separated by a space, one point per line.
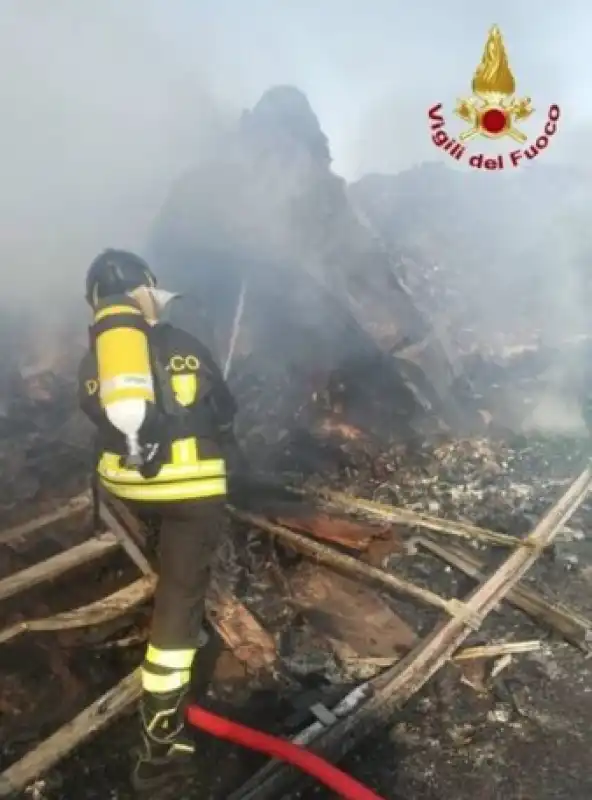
x=188 y=540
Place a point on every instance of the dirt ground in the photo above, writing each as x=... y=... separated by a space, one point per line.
x=527 y=739
x=533 y=746
x=532 y=743
x=531 y=738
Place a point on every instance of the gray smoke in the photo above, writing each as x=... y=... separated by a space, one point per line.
x=106 y=104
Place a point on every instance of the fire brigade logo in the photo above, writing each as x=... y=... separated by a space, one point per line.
x=493 y=112
x=493 y=109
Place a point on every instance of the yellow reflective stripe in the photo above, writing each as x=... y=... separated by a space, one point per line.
x=184 y=451
x=105 y=312
x=164 y=683
x=185 y=388
x=155 y=492
x=173 y=659
x=110 y=470
x=184 y=747
x=109 y=462
x=211 y=468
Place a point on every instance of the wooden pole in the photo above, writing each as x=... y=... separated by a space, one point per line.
x=242 y=633
x=125 y=540
x=130 y=522
x=97 y=613
x=116 y=701
x=53 y=567
x=496 y=650
x=571 y=625
x=403 y=516
x=394 y=687
x=74 y=506
x=324 y=554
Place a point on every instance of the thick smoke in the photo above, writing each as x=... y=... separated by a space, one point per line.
x=107 y=104
x=99 y=115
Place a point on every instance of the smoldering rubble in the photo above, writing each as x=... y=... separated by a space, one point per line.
x=347 y=382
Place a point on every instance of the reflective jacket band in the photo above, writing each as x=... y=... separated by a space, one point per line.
x=172 y=659
x=156 y=684
x=155 y=492
x=109 y=469
x=185 y=477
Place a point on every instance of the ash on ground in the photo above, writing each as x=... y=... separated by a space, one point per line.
x=526 y=737
x=529 y=737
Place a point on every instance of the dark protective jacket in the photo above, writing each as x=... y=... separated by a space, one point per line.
x=183 y=435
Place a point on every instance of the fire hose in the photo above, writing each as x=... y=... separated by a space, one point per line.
x=324 y=772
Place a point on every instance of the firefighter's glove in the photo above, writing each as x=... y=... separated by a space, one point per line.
x=152 y=461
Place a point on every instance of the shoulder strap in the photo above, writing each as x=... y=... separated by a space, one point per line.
x=164 y=389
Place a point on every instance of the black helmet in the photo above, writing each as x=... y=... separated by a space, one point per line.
x=116 y=272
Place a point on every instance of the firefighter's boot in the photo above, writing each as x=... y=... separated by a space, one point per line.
x=168 y=750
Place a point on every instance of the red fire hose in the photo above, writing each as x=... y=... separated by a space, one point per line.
x=333 y=778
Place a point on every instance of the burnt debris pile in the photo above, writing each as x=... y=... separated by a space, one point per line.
x=313 y=594
x=322 y=294
x=489 y=261
x=398 y=471
x=44 y=441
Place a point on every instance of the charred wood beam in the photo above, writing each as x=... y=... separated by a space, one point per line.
x=388 y=692
x=74 y=506
x=125 y=540
x=130 y=522
x=324 y=554
x=231 y=619
x=479 y=652
x=97 y=613
x=373 y=511
x=393 y=514
x=497 y=650
x=235 y=624
x=372 y=706
x=58 y=565
x=116 y=701
x=238 y=628
x=332 y=529
x=571 y=625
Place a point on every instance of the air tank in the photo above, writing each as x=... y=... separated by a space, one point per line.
x=126 y=383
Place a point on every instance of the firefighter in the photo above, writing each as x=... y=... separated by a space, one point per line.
x=164 y=418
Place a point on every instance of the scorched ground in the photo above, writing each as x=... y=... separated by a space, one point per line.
x=528 y=738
